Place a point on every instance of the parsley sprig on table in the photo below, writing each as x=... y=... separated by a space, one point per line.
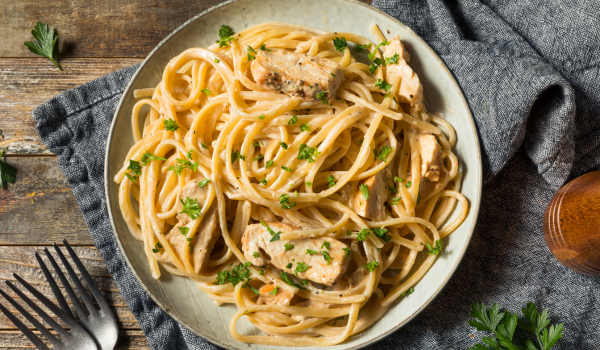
x=504 y=324
x=7 y=172
x=46 y=39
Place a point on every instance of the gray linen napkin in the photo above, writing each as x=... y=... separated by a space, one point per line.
x=524 y=67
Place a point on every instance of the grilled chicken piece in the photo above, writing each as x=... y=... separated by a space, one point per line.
x=257 y=239
x=373 y=208
x=282 y=297
x=206 y=234
x=434 y=175
x=411 y=89
x=297 y=74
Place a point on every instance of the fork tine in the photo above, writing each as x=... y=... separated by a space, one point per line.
x=86 y=276
x=67 y=286
x=28 y=333
x=82 y=292
x=42 y=299
x=58 y=328
x=57 y=293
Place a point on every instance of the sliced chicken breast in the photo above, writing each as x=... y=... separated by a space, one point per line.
x=411 y=89
x=308 y=77
x=434 y=175
x=373 y=207
x=283 y=296
x=309 y=258
x=206 y=234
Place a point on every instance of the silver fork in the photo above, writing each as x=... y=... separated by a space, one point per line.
x=100 y=325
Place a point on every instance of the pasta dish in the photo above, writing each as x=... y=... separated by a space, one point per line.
x=294 y=173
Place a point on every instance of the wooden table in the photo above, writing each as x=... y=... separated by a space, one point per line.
x=96 y=38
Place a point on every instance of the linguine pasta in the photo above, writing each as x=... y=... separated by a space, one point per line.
x=316 y=166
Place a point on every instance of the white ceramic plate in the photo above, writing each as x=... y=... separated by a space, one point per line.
x=180 y=297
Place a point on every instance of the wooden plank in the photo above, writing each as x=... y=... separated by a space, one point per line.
x=118 y=28
x=25 y=83
x=21 y=260
x=39 y=208
x=128 y=339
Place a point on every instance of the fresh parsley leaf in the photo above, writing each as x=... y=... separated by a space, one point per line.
x=398 y=179
x=262 y=117
x=283 y=145
x=372 y=55
x=436 y=249
x=203 y=145
x=408 y=184
x=321 y=96
x=311 y=252
x=326 y=245
x=304 y=127
x=286 y=168
x=360 y=48
x=238 y=274
x=373 y=68
x=271 y=232
x=206 y=91
x=190 y=207
x=408 y=292
x=284 y=200
x=308 y=184
x=45 y=40
x=263 y=181
x=392 y=189
x=170 y=125
x=225 y=33
x=217 y=60
x=203 y=183
x=235 y=155
x=250 y=50
x=364 y=189
x=347 y=252
x=254 y=290
x=185 y=164
x=289 y=266
x=263 y=48
x=382 y=233
x=304 y=282
x=274 y=291
x=148 y=157
x=371 y=266
x=385 y=151
x=258 y=158
x=382 y=84
x=396 y=200
x=261 y=272
x=136 y=170
x=363 y=234
x=393 y=59
x=307 y=153
x=8 y=174
x=326 y=256
x=184 y=230
x=269 y=163
x=287 y=280
x=293 y=120
x=256 y=255
x=301 y=267
x=157 y=247
x=331 y=181
x=340 y=44
x=288 y=246
x=378 y=61
x=333 y=75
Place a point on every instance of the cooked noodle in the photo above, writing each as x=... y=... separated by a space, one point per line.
x=221 y=112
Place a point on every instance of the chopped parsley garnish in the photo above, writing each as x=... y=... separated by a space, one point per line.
x=311 y=252
x=238 y=274
x=308 y=184
x=254 y=290
x=225 y=33
x=408 y=184
x=263 y=48
x=217 y=60
x=190 y=207
x=304 y=282
x=382 y=84
x=258 y=158
x=340 y=44
x=261 y=272
x=361 y=48
x=263 y=181
x=8 y=173
x=185 y=164
x=326 y=256
x=398 y=179
x=203 y=183
x=381 y=233
x=304 y=127
x=274 y=291
x=288 y=246
x=170 y=124
x=45 y=40
x=322 y=96
x=385 y=151
x=287 y=280
x=396 y=200
x=436 y=249
x=148 y=157
x=331 y=181
x=364 y=189
x=293 y=120
x=157 y=247
x=408 y=292
x=289 y=266
x=134 y=166
x=393 y=189
x=235 y=155
x=184 y=230
x=347 y=252
x=284 y=200
x=262 y=116
x=256 y=255
x=363 y=234
x=301 y=267
x=286 y=168
x=283 y=145
x=203 y=145
x=275 y=236
x=250 y=50
x=373 y=68
x=326 y=245
x=372 y=266
x=393 y=59
x=206 y=91
x=372 y=55
x=333 y=75
x=269 y=163
x=307 y=153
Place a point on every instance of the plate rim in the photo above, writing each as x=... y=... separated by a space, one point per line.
x=476 y=195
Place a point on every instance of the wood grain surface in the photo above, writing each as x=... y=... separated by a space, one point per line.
x=96 y=38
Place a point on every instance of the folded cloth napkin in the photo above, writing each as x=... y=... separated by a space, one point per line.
x=524 y=67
